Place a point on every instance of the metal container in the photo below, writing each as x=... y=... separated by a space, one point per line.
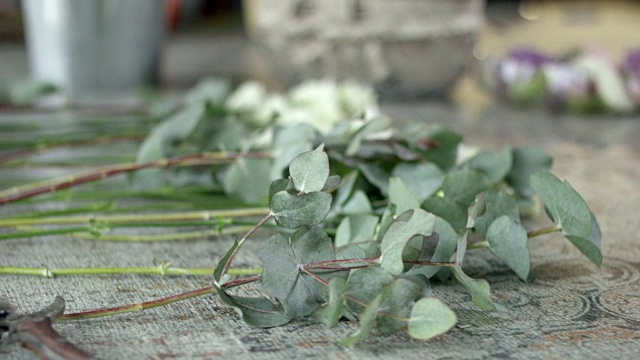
x=94 y=48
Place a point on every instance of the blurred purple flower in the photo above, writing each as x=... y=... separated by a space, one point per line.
x=521 y=65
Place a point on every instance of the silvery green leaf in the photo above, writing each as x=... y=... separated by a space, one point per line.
x=570 y=212
x=445 y=150
x=289 y=143
x=310 y=170
x=397 y=300
x=293 y=211
x=358 y=203
x=508 y=240
x=372 y=126
x=366 y=283
x=259 y=312
x=478 y=289
x=331 y=312
x=367 y=322
x=447 y=209
x=430 y=317
x=423 y=179
x=462 y=186
x=248 y=179
x=356 y=228
x=376 y=175
x=282 y=279
x=158 y=144
x=497 y=204
x=333 y=182
x=447 y=240
x=399 y=233
x=526 y=161
x=401 y=197
x=494 y=165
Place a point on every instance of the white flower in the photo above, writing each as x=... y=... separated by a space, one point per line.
x=247 y=97
x=356 y=98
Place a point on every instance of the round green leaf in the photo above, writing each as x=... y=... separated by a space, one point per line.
x=310 y=170
x=430 y=317
x=294 y=211
x=508 y=240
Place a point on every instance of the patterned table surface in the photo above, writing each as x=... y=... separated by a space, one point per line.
x=569 y=310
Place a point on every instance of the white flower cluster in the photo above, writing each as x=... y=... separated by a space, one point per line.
x=320 y=104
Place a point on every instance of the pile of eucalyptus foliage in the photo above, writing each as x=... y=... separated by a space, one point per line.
x=401 y=205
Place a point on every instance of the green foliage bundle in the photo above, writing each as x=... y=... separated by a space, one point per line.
x=403 y=205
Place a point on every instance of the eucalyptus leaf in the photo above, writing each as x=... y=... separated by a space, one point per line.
x=447 y=209
x=367 y=322
x=376 y=175
x=508 y=240
x=478 y=289
x=497 y=204
x=367 y=283
x=400 y=196
x=356 y=228
x=218 y=272
x=372 y=126
x=397 y=300
x=526 y=161
x=161 y=141
x=299 y=293
x=358 y=203
x=445 y=149
x=310 y=170
x=462 y=186
x=293 y=211
x=331 y=312
x=248 y=179
x=570 y=212
x=461 y=246
x=430 y=317
x=259 y=312
x=399 y=233
x=494 y=165
x=332 y=183
x=446 y=239
x=290 y=142
x=423 y=179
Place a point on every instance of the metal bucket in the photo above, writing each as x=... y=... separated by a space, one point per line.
x=94 y=48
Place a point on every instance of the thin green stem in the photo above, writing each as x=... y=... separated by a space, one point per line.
x=478 y=245
x=88 y=234
x=46 y=232
x=137 y=218
x=543 y=231
x=162 y=270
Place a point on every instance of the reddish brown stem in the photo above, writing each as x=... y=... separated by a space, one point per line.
x=24 y=192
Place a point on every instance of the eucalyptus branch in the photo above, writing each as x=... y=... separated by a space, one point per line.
x=38 y=188
x=163 y=270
